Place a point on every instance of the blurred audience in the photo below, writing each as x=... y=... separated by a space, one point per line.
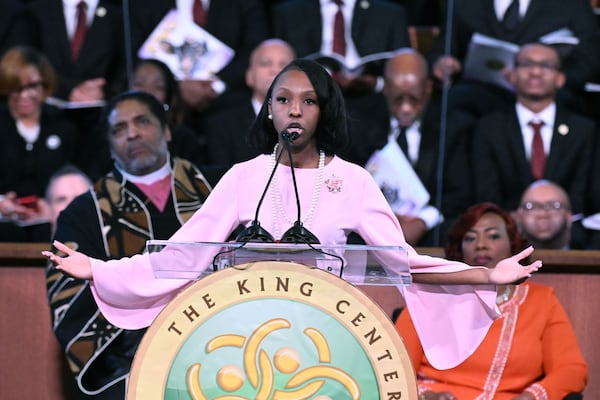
x=240 y=24
x=227 y=142
x=84 y=41
x=89 y=61
x=530 y=352
x=530 y=20
x=37 y=141
x=535 y=138
x=154 y=77
x=413 y=127
x=368 y=27
x=147 y=195
x=545 y=219
x=64 y=185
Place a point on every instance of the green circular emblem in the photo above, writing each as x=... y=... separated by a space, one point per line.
x=272 y=330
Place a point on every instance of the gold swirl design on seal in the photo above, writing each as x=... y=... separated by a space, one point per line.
x=260 y=370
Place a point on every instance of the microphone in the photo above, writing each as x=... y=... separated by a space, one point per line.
x=297 y=233
x=289 y=137
x=255 y=232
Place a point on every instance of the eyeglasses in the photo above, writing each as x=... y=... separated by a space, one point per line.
x=549 y=206
x=29 y=86
x=529 y=64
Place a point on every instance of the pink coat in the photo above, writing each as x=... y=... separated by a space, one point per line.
x=451 y=319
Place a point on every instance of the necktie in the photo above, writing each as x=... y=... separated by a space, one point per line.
x=339 y=36
x=538 y=156
x=199 y=13
x=511 y=17
x=80 y=29
x=402 y=142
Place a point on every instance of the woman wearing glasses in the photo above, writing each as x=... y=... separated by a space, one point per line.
x=36 y=141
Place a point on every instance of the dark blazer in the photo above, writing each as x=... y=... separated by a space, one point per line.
x=592 y=205
x=456 y=179
x=28 y=172
x=456 y=189
x=14 y=25
x=377 y=28
x=241 y=24
x=102 y=53
x=542 y=17
x=226 y=135
x=380 y=27
x=502 y=172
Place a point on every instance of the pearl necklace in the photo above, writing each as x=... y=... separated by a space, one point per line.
x=504 y=296
x=276 y=195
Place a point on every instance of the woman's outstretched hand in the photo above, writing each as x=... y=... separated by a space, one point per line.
x=509 y=270
x=74 y=263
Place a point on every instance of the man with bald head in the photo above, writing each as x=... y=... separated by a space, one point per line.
x=544 y=216
x=226 y=130
x=415 y=126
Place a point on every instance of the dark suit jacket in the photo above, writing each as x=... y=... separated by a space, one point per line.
x=102 y=53
x=14 y=25
x=241 y=24
x=542 y=17
x=27 y=172
x=380 y=27
x=456 y=189
x=456 y=179
x=227 y=135
x=502 y=172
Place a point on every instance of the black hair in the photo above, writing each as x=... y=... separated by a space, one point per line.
x=155 y=107
x=332 y=130
x=172 y=89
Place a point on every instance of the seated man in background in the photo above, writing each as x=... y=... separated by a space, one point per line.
x=147 y=196
x=535 y=138
x=517 y=22
x=545 y=219
x=64 y=185
x=413 y=128
x=226 y=131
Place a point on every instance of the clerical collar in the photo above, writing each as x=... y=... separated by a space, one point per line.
x=150 y=178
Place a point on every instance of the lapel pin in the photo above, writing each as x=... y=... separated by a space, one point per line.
x=100 y=12
x=563 y=129
x=364 y=4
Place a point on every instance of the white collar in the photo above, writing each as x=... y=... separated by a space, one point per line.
x=150 y=178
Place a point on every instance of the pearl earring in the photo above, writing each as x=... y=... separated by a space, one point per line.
x=270 y=116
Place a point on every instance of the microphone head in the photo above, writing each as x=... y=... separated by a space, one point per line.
x=289 y=136
x=254 y=233
x=299 y=234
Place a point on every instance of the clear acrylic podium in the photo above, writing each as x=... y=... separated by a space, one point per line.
x=273 y=321
x=356 y=264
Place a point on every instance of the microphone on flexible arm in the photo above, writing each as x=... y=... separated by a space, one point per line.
x=297 y=233
x=255 y=232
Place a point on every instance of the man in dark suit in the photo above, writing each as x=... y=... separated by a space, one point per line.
x=98 y=71
x=505 y=148
x=536 y=18
x=372 y=26
x=414 y=126
x=147 y=195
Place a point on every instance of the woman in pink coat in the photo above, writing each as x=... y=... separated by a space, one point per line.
x=336 y=198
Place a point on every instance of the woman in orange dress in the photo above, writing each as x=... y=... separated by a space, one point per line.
x=530 y=352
